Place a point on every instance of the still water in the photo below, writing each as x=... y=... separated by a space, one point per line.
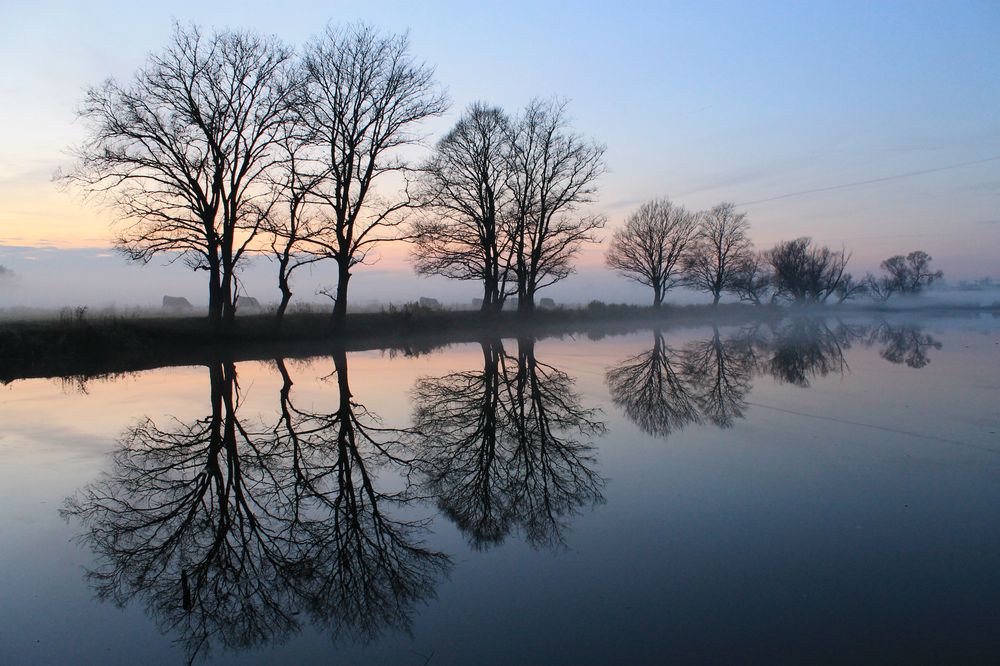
x=810 y=490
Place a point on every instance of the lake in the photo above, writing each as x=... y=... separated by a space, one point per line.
x=802 y=490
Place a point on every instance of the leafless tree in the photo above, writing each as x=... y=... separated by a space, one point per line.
x=290 y=217
x=720 y=249
x=365 y=94
x=553 y=172
x=849 y=288
x=652 y=246
x=753 y=280
x=904 y=275
x=465 y=186
x=183 y=147
x=806 y=273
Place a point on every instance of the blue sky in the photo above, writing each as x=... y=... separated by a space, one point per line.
x=702 y=102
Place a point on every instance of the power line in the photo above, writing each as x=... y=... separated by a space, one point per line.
x=842 y=186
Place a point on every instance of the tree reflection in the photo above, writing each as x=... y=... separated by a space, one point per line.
x=507 y=447
x=720 y=372
x=708 y=380
x=652 y=389
x=230 y=532
x=802 y=349
x=903 y=344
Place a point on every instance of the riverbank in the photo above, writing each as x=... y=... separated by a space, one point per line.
x=82 y=345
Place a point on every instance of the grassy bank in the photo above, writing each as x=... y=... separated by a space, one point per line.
x=82 y=345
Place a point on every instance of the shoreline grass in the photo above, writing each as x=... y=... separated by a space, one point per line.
x=92 y=346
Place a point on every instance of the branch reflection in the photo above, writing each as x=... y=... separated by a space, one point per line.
x=230 y=532
x=508 y=447
x=665 y=389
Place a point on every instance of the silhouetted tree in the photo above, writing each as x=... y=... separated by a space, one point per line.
x=652 y=246
x=719 y=251
x=805 y=273
x=553 y=172
x=182 y=150
x=753 y=280
x=654 y=391
x=365 y=95
x=499 y=448
x=465 y=185
x=297 y=232
x=907 y=275
x=850 y=288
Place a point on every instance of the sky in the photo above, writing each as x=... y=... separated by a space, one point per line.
x=869 y=125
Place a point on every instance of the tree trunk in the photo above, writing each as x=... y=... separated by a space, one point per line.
x=214 y=296
x=490 y=296
x=340 y=304
x=715 y=299
x=526 y=303
x=228 y=304
x=286 y=290
x=657 y=296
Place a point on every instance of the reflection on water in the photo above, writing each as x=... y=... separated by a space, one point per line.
x=903 y=344
x=507 y=447
x=665 y=389
x=229 y=531
x=233 y=531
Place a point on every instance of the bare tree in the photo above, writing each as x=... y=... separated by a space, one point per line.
x=651 y=248
x=904 y=275
x=296 y=230
x=753 y=279
x=805 y=273
x=465 y=186
x=849 y=288
x=553 y=172
x=365 y=94
x=183 y=147
x=720 y=249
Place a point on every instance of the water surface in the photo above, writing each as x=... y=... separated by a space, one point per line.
x=805 y=490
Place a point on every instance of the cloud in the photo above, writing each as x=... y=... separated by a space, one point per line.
x=991 y=222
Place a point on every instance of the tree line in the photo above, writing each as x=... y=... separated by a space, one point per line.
x=233 y=144
x=663 y=245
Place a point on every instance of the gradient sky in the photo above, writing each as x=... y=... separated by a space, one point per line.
x=701 y=102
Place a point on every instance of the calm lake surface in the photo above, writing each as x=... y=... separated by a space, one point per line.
x=813 y=490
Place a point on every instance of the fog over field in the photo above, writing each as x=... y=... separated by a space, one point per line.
x=37 y=278
x=102 y=278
